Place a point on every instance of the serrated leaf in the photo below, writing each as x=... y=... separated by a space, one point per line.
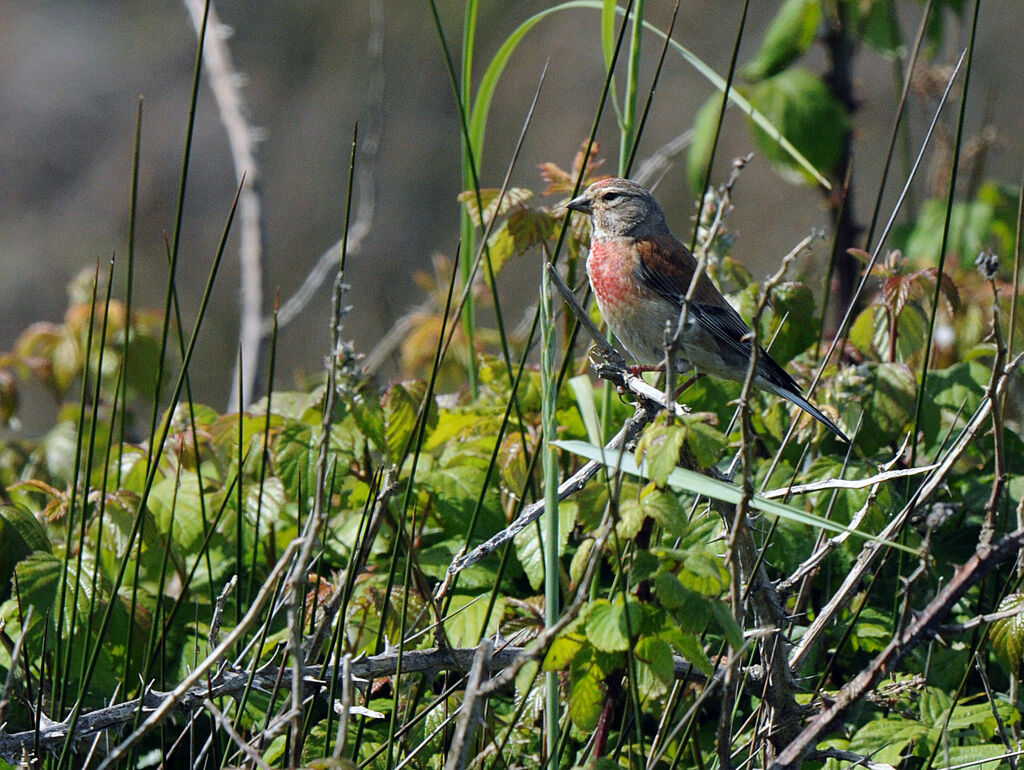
x=886 y=739
x=179 y=509
x=1007 y=634
x=567 y=646
x=489 y=197
x=790 y=34
x=705 y=574
x=664 y=508
x=644 y=565
x=960 y=387
x=705 y=441
x=530 y=227
x=266 y=504
x=606 y=626
x=369 y=416
x=580 y=559
x=21 y=526
x=631 y=519
x=526 y=679
x=21 y=534
x=656 y=668
x=400 y=404
x=659 y=448
x=974 y=756
x=669 y=591
x=863 y=329
x=586 y=692
x=530 y=549
x=792 y=305
x=892 y=391
x=689 y=647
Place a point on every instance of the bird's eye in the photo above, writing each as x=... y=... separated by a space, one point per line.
x=610 y=196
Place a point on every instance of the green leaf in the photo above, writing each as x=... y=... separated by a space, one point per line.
x=726 y=622
x=580 y=559
x=793 y=309
x=465 y=622
x=586 y=692
x=606 y=626
x=805 y=111
x=664 y=508
x=705 y=574
x=526 y=679
x=979 y=716
x=960 y=387
x=658 y=448
x=886 y=739
x=670 y=592
x=530 y=548
x=970 y=229
x=689 y=647
x=879 y=27
x=1007 y=634
x=705 y=441
x=892 y=397
x=401 y=403
x=656 y=668
x=705 y=123
x=265 y=505
x=790 y=34
x=369 y=416
x=631 y=519
x=178 y=507
x=20 y=531
x=974 y=756
x=566 y=647
x=863 y=329
x=644 y=565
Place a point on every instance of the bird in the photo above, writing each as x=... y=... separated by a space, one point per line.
x=640 y=273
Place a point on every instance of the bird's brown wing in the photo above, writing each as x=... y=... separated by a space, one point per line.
x=667 y=267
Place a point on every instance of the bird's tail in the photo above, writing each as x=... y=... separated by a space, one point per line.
x=810 y=408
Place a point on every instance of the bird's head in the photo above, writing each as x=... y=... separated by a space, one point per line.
x=620 y=207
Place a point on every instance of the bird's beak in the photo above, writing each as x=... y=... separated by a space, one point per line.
x=581 y=204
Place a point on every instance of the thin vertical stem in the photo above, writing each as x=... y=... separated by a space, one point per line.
x=549 y=387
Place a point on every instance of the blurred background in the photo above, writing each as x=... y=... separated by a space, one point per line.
x=72 y=74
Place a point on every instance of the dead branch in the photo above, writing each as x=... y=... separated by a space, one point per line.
x=243 y=139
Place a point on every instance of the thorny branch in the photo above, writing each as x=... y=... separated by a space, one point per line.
x=233 y=682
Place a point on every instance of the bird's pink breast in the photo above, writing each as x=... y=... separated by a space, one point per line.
x=611 y=275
